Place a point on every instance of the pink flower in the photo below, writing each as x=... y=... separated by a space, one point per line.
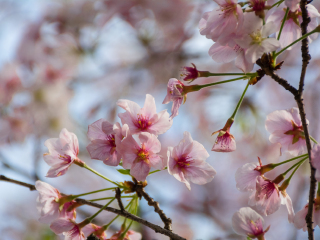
x=63 y=151
x=248 y=223
x=98 y=231
x=140 y=157
x=225 y=141
x=176 y=95
x=230 y=51
x=286 y=200
x=130 y=235
x=246 y=176
x=315 y=160
x=219 y=23
x=186 y=162
x=267 y=196
x=299 y=220
x=190 y=73
x=48 y=204
x=103 y=141
x=144 y=119
x=291 y=29
x=71 y=230
x=286 y=128
x=254 y=37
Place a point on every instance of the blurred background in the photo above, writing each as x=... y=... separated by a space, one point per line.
x=65 y=63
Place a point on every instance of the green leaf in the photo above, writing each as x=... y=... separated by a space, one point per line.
x=248 y=238
x=124 y=171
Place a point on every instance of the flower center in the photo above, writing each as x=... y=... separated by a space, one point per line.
x=297 y=132
x=66 y=158
x=228 y=9
x=183 y=162
x=143 y=154
x=256 y=38
x=143 y=122
x=294 y=16
x=111 y=140
x=258 y=5
x=267 y=189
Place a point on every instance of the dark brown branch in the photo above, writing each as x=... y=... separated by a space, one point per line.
x=265 y=63
x=305 y=61
x=124 y=213
x=118 y=197
x=167 y=221
x=30 y=186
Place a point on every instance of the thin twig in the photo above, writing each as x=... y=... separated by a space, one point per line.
x=125 y=214
x=30 y=186
x=118 y=197
x=305 y=61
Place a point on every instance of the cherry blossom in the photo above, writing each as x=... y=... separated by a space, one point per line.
x=71 y=230
x=63 y=151
x=248 y=223
x=176 y=95
x=315 y=160
x=144 y=119
x=230 y=51
x=300 y=217
x=219 y=23
x=246 y=176
x=186 y=162
x=140 y=156
x=286 y=128
x=255 y=37
x=49 y=206
x=98 y=231
x=225 y=141
x=291 y=29
x=267 y=197
x=103 y=141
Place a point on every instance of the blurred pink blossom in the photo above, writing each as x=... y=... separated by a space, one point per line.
x=130 y=235
x=286 y=128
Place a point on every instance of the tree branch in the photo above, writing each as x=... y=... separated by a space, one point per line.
x=167 y=221
x=124 y=213
x=305 y=61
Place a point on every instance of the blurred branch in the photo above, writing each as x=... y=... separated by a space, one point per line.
x=123 y=213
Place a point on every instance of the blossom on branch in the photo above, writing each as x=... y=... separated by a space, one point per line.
x=130 y=235
x=300 y=217
x=186 y=162
x=49 y=204
x=103 y=139
x=248 y=223
x=286 y=128
x=144 y=119
x=254 y=37
x=246 y=176
x=71 y=230
x=140 y=156
x=225 y=141
x=220 y=23
x=176 y=95
x=291 y=29
x=63 y=151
